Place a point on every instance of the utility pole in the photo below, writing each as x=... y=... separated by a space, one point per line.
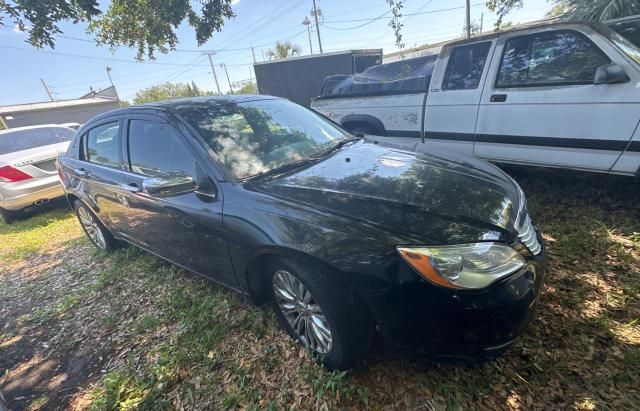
x=253 y=53
x=307 y=23
x=213 y=70
x=109 y=74
x=46 y=89
x=481 y=22
x=261 y=50
x=315 y=14
x=227 y=73
x=468 y=19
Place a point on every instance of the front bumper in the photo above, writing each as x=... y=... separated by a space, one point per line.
x=16 y=196
x=420 y=318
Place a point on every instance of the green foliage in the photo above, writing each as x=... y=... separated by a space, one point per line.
x=599 y=10
x=147 y=25
x=249 y=88
x=283 y=49
x=168 y=91
x=502 y=8
x=395 y=23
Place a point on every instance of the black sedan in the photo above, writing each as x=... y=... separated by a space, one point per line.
x=343 y=235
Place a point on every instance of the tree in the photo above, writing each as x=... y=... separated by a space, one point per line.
x=475 y=29
x=146 y=25
x=283 y=49
x=502 y=8
x=167 y=91
x=249 y=88
x=600 y=10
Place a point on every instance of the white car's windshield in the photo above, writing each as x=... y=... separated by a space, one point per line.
x=255 y=137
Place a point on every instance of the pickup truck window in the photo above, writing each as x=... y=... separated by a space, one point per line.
x=549 y=59
x=465 y=66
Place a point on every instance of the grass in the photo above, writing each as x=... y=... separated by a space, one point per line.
x=128 y=331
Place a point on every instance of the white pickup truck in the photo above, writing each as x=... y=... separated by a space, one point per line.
x=561 y=95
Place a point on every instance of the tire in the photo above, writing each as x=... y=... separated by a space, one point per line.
x=364 y=129
x=93 y=228
x=9 y=216
x=334 y=317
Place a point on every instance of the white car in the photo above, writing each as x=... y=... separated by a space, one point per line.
x=560 y=95
x=28 y=173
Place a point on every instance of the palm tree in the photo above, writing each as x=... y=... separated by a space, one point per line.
x=283 y=49
x=600 y=10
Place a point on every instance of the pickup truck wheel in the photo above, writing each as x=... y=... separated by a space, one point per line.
x=363 y=128
x=315 y=311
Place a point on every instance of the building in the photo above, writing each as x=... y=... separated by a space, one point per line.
x=60 y=111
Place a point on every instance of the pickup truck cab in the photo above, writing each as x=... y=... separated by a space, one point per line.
x=559 y=94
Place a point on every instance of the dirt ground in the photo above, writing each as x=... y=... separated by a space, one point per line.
x=80 y=329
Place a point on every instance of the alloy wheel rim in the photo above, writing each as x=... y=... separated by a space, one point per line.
x=91 y=227
x=302 y=312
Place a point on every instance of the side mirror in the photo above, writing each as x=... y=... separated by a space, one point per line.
x=610 y=74
x=169 y=185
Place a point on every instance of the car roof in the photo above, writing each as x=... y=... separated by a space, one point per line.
x=226 y=99
x=546 y=24
x=11 y=130
x=173 y=104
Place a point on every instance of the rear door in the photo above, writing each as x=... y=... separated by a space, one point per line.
x=185 y=228
x=98 y=171
x=540 y=105
x=454 y=96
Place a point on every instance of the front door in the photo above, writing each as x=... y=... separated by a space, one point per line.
x=540 y=104
x=185 y=228
x=452 y=104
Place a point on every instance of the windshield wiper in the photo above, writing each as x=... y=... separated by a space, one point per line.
x=285 y=168
x=341 y=144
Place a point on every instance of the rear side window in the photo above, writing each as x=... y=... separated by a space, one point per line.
x=13 y=141
x=157 y=149
x=102 y=145
x=465 y=66
x=549 y=59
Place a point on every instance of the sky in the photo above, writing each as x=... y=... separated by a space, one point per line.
x=77 y=64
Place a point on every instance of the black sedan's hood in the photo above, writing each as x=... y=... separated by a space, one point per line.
x=429 y=197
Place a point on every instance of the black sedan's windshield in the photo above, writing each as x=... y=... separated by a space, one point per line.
x=255 y=137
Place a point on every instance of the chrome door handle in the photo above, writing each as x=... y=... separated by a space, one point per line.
x=80 y=171
x=498 y=98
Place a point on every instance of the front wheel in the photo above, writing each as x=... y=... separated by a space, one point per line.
x=97 y=233
x=315 y=311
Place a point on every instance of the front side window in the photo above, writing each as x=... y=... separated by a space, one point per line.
x=157 y=149
x=254 y=137
x=13 y=141
x=549 y=59
x=102 y=145
x=465 y=66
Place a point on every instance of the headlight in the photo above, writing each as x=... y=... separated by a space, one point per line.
x=463 y=266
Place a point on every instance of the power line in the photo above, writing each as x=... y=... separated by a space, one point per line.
x=405 y=15
x=358 y=26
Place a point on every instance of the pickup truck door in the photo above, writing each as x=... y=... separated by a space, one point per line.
x=540 y=104
x=451 y=110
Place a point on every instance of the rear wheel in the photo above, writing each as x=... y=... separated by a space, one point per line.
x=97 y=233
x=363 y=128
x=318 y=313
